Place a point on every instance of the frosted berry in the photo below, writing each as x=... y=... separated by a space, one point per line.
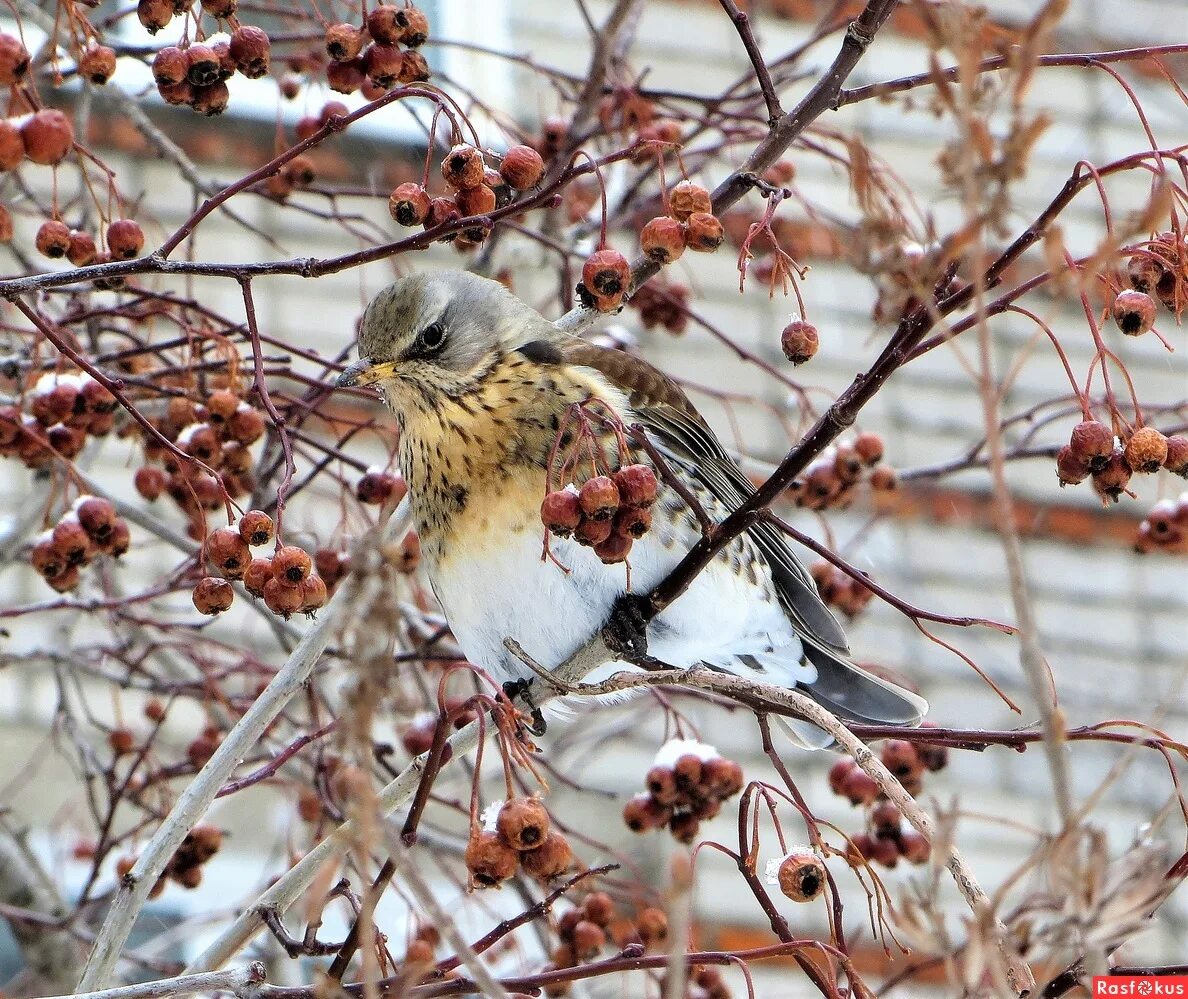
x=291 y=565
x=1146 y=450
x=703 y=232
x=125 y=239
x=47 y=559
x=409 y=204
x=521 y=168
x=801 y=876
x=463 y=167
x=662 y=239
x=213 y=596
x=256 y=528
x=799 y=341
x=686 y=198
x=523 y=823
x=561 y=512
x=97 y=516
x=489 y=860
x=1134 y=312
x=53 y=239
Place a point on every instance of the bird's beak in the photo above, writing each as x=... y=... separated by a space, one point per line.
x=365 y=371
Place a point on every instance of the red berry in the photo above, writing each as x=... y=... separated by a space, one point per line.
x=150 y=482
x=213 y=596
x=521 y=167
x=313 y=593
x=662 y=239
x=383 y=65
x=1176 y=461
x=281 y=598
x=523 y=823
x=344 y=42
x=607 y=274
x=561 y=512
x=409 y=204
x=125 y=239
x=802 y=876
x=489 y=859
x=599 y=497
x=799 y=341
x=256 y=528
x=154 y=14
x=413 y=26
x=14 y=60
x=686 y=198
x=636 y=485
x=203 y=66
x=1134 y=312
x=211 y=100
x=71 y=541
x=53 y=239
x=48 y=136
x=859 y=787
x=644 y=812
x=915 y=848
x=549 y=860
x=343 y=78
x=227 y=551
x=291 y=565
x=97 y=515
x=839 y=772
x=81 y=251
x=256 y=576
x=1070 y=469
x=1146 y=450
x=633 y=522
x=12 y=146
x=382 y=25
x=869 y=447
x=901 y=758
x=614 y=549
x=463 y=167
x=97 y=64
x=170 y=66
x=703 y=232
x=251 y=51
x=1093 y=443
x=442 y=211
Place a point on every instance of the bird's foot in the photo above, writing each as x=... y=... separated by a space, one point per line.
x=515 y=690
x=626 y=630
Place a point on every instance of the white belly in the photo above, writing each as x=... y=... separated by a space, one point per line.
x=497 y=586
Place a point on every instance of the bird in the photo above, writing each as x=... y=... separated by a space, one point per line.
x=480 y=384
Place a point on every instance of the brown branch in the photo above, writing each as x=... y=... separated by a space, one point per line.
x=742 y=24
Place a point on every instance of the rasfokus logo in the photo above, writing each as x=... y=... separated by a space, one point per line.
x=1140 y=985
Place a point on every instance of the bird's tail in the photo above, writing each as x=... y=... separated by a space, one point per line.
x=848 y=691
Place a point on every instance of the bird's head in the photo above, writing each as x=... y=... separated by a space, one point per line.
x=438 y=333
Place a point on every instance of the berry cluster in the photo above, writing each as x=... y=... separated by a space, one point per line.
x=840 y=590
x=663 y=304
x=63 y=410
x=831 y=479
x=688 y=782
x=887 y=838
x=1165 y=527
x=55 y=240
x=689 y=225
x=800 y=874
x=475 y=190
x=608 y=513
x=91 y=528
x=1159 y=268
x=585 y=929
x=195 y=74
x=185 y=867
x=514 y=835
x=286 y=581
x=1094 y=451
x=377 y=67
x=216 y=432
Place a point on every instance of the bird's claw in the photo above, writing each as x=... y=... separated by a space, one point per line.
x=626 y=630
x=515 y=690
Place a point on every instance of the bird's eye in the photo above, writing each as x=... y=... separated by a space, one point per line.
x=432 y=336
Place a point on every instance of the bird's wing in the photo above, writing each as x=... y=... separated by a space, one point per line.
x=678 y=430
x=676 y=427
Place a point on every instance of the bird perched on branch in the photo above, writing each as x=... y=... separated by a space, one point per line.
x=495 y=406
